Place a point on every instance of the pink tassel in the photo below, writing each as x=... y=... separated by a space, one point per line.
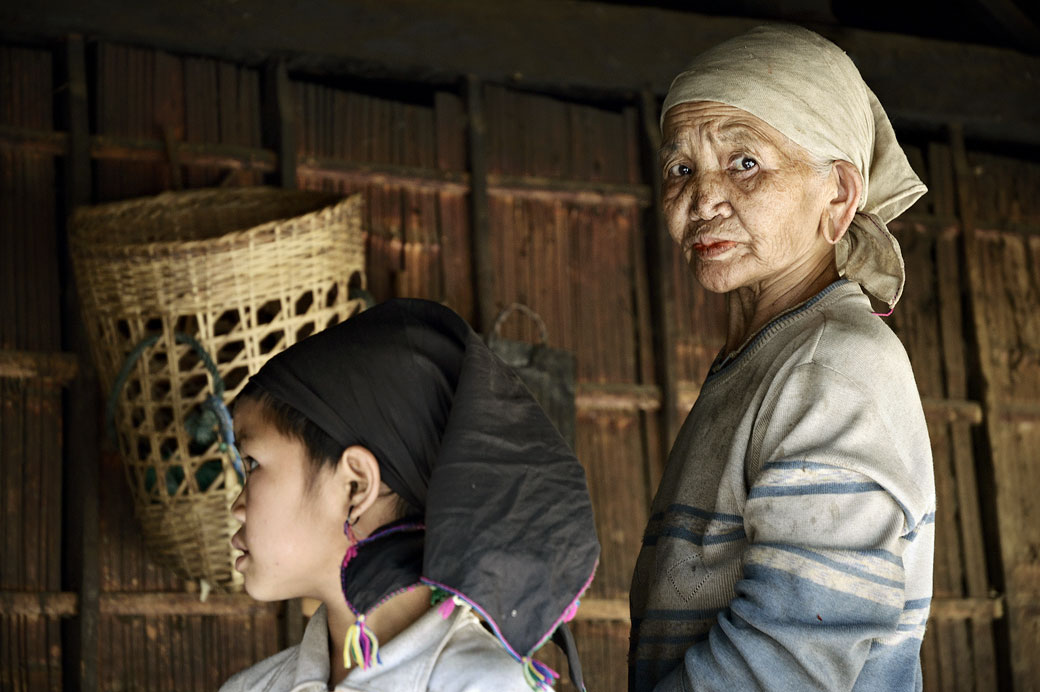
x=350 y=554
x=571 y=611
x=446 y=608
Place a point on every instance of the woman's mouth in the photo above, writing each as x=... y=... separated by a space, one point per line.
x=709 y=248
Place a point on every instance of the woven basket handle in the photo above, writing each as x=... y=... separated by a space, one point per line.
x=496 y=330
x=214 y=402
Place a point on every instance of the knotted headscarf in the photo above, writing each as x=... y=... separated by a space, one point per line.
x=503 y=500
x=807 y=88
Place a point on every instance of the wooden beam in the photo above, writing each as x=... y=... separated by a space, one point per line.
x=581 y=191
x=279 y=121
x=81 y=448
x=384 y=174
x=156 y=604
x=609 y=609
x=621 y=396
x=563 y=45
x=39 y=604
x=594 y=397
x=480 y=221
x=66 y=604
x=30 y=140
x=944 y=609
x=659 y=269
x=106 y=147
x=953 y=410
x=30 y=365
x=967 y=608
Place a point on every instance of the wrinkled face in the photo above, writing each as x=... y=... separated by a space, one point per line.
x=743 y=202
x=292 y=529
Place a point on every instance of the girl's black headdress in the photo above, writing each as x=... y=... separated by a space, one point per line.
x=508 y=522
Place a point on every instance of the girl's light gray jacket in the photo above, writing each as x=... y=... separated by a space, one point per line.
x=435 y=654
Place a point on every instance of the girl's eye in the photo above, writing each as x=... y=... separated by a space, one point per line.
x=679 y=170
x=250 y=464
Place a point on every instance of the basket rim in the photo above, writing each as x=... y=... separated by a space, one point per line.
x=81 y=237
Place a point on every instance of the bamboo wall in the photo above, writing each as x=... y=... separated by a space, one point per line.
x=570 y=232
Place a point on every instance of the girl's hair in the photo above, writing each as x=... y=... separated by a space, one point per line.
x=322 y=451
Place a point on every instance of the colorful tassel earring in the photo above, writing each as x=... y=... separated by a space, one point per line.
x=348 y=531
x=361 y=646
x=538 y=675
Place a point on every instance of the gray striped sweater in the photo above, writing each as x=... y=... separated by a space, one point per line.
x=790 y=541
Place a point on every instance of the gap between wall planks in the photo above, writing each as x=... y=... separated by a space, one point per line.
x=419 y=232
x=82 y=457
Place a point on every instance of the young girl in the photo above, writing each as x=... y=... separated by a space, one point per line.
x=394 y=461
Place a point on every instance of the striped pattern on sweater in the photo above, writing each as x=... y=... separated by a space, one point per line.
x=790 y=542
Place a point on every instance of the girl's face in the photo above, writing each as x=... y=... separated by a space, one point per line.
x=292 y=523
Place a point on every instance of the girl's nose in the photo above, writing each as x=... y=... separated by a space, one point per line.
x=238 y=507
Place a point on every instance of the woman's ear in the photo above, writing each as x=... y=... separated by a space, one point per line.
x=358 y=473
x=845 y=201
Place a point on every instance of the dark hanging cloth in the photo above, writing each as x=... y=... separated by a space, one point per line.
x=509 y=526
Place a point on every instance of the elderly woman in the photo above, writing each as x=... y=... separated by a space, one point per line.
x=790 y=541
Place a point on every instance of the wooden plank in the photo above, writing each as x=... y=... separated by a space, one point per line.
x=30 y=365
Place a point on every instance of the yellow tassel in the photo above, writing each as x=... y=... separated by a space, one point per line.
x=359 y=638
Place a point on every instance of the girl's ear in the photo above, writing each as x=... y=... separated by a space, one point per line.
x=843 y=205
x=358 y=474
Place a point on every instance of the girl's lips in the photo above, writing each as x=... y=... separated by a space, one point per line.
x=712 y=248
x=237 y=543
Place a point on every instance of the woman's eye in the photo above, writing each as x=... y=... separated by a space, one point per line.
x=679 y=170
x=746 y=163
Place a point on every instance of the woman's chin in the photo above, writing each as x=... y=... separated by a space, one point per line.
x=713 y=278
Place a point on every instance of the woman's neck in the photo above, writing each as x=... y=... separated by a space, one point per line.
x=751 y=308
x=386 y=622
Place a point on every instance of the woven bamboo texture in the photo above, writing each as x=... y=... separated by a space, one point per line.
x=245 y=273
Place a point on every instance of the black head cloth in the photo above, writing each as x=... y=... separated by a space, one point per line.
x=509 y=526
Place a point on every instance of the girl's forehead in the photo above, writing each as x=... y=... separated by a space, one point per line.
x=248 y=420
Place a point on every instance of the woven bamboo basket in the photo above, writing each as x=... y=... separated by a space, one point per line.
x=185 y=295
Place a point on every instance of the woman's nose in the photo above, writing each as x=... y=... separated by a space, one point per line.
x=709 y=195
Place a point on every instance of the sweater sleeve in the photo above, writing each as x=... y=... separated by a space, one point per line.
x=832 y=506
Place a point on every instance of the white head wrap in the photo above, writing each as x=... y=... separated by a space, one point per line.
x=807 y=88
